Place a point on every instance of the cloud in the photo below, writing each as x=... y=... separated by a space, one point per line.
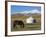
x=35 y=11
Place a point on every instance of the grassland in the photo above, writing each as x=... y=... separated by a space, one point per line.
x=35 y=26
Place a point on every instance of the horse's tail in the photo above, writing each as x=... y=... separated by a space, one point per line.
x=13 y=24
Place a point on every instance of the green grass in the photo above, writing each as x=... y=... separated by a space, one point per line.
x=35 y=26
x=27 y=27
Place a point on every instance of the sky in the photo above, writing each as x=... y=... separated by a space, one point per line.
x=24 y=9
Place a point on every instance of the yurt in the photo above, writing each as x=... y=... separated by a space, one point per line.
x=29 y=20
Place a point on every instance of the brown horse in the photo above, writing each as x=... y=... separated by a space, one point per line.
x=18 y=22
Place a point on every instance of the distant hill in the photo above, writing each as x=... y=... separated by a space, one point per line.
x=24 y=14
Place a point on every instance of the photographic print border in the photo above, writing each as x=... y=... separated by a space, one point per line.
x=7 y=20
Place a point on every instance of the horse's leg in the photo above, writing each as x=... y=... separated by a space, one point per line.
x=20 y=26
x=23 y=25
x=14 y=25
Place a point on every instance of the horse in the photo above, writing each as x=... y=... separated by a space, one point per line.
x=18 y=22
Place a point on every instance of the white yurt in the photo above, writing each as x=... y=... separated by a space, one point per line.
x=29 y=20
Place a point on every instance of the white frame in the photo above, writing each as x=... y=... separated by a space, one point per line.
x=24 y=32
